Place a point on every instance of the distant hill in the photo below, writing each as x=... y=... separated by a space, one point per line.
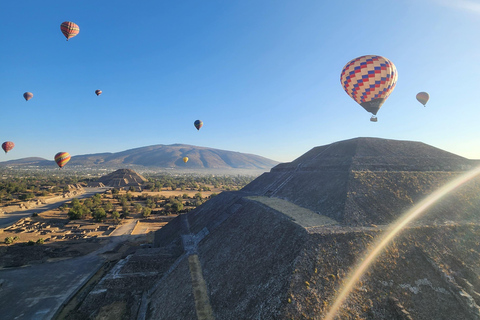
x=30 y=161
x=162 y=156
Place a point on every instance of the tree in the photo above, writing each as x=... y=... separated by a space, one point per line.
x=108 y=206
x=177 y=206
x=115 y=215
x=78 y=212
x=138 y=207
x=88 y=203
x=75 y=202
x=146 y=212
x=149 y=203
x=99 y=214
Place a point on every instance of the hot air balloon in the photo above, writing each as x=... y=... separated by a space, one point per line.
x=423 y=97
x=62 y=158
x=69 y=29
x=98 y=92
x=185 y=159
x=28 y=95
x=198 y=124
x=369 y=80
x=7 y=146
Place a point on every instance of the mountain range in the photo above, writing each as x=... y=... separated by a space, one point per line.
x=161 y=156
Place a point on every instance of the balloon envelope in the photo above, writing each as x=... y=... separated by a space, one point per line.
x=423 y=97
x=7 y=146
x=185 y=159
x=69 y=29
x=369 y=80
x=28 y=95
x=98 y=92
x=62 y=158
x=198 y=124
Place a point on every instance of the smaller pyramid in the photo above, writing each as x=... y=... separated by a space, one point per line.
x=122 y=178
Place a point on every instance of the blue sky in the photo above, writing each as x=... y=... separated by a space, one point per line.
x=264 y=76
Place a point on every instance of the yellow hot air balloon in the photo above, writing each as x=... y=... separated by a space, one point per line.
x=185 y=159
x=369 y=80
x=423 y=97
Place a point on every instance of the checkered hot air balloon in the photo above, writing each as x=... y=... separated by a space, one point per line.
x=69 y=29
x=369 y=80
x=62 y=158
x=7 y=146
x=423 y=97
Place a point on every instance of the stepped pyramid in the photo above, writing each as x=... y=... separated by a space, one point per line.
x=122 y=178
x=280 y=247
x=363 y=181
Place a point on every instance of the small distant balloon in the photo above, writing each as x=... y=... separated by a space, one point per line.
x=7 y=146
x=423 y=97
x=98 y=92
x=185 y=159
x=198 y=124
x=62 y=158
x=28 y=95
x=369 y=80
x=69 y=29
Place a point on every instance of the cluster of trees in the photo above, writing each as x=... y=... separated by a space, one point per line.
x=93 y=206
x=122 y=205
x=201 y=183
x=169 y=205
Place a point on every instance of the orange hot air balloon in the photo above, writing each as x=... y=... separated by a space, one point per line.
x=69 y=29
x=369 y=80
x=28 y=95
x=185 y=159
x=7 y=146
x=98 y=92
x=423 y=97
x=62 y=158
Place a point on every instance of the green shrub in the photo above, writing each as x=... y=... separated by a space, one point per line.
x=146 y=211
x=99 y=214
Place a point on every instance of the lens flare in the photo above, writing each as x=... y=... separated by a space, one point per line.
x=396 y=227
